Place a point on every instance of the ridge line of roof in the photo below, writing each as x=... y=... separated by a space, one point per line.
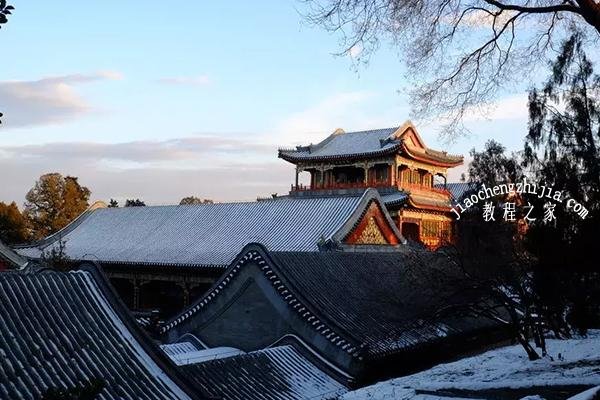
x=258 y=253
x=56 y=236
x=333 y=135
x=94 y=272
x=299 y=345
x=13 y=257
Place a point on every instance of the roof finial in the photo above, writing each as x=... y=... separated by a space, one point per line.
x=339 y=131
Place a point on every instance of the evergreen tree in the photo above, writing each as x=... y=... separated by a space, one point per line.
x=194 y=200
x=134 y=203
x=562 y=150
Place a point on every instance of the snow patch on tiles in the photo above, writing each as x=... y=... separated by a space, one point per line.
x=186 y=353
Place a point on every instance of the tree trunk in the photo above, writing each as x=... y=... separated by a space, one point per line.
x=590 y=11
x=531 y=353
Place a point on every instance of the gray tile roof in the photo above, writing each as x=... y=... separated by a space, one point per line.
x=346 y=145
x=458 y=189
x=206 y=234
x=280 y=373
x=185 y=353
x=9 y=256
x=59 y=330
x=369 y=304
x=395 y=198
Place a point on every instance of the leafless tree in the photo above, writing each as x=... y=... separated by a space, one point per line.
x=458 y=53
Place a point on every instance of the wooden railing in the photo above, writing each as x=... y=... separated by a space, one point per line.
x=376 y=184
x=347 y=185
x=417 y=186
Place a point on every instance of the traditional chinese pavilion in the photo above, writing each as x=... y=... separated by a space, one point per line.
x=410 y=177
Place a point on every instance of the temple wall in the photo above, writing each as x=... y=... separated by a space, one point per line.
x=249 y=314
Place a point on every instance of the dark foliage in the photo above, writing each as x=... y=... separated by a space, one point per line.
x=56 y=257
x=13 y=226
x=5 y=11
x=134 y=203
x=194 y=200
x=562 y=150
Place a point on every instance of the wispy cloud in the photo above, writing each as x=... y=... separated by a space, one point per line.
x=146 y=153
x=160 y=172
x=507 y=108
x=200 y=80
x=48 y=100
x=340 y=110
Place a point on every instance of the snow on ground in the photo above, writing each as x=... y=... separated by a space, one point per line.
x=569 y=362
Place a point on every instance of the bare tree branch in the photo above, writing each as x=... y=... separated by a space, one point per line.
x=459 y=53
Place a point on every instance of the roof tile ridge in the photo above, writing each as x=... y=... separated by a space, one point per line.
x=258 y=253
x=97 y=281
x=56 y=236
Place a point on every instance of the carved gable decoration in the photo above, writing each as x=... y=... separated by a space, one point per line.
x=373 y=228
x=408 y=133
x=371 y=234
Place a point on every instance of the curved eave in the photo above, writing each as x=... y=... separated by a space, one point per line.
x=55 y=237
x=151 y=264
x=448 y=163
x=140 y=336
x=287 y=156
x=418 y=205
x=13 y=258
x=396 y=202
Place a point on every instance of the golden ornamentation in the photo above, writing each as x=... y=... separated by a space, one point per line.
x=371 y=234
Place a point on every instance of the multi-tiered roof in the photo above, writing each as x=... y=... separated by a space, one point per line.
x=370 y=144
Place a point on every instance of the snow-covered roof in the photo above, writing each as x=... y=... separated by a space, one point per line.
x=367 y=304
x=59 y=330
x=281 y=373
x=347 y=144
x=369 y=144
x=206 y=234
x=185 y=353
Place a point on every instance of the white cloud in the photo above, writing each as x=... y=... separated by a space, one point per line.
x=200 y=80
x=507 y=108
x=341 y=110
x=355 y=51
x=48 y=100
x=159 y=172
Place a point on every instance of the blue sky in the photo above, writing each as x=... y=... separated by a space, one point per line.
x=162 y=100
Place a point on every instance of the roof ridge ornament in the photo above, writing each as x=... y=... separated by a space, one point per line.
x=338 y=131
